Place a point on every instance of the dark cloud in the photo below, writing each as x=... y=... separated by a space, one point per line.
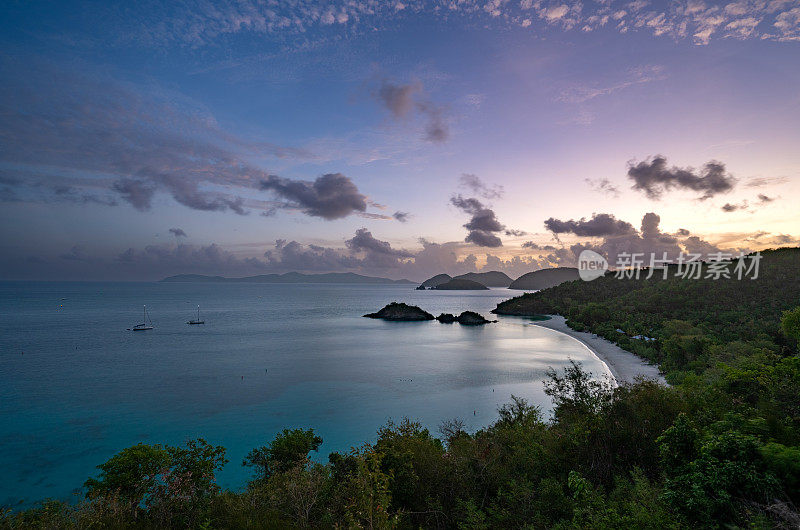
x=785 y=239
x=398 y=99
x=603 y=186
x=138 y=193
x=764 y=199
x=331 y=196
x=437 y=129
x=401 y=216
x=516 y=233
x=654 y=178
x=621 y=238
x=728 y=207
x=474 y=184
x=482 y=238
x=483 y=225
x=599 y=225
x=177 y=232
x=364 y=241
x=402 y=101
x=144 y=141
x=74 y=195
x=535 y=246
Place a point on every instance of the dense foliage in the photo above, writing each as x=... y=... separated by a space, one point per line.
x=718 y=448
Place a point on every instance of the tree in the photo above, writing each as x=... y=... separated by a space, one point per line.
x=790 y=323
x=289 y=449
x=131 y=474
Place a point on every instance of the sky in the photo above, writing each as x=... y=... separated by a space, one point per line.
x=398 y=139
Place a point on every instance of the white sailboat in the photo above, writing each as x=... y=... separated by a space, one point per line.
x=146 y=322
x=197 y=320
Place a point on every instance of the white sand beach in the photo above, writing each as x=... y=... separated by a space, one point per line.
x=624 y=365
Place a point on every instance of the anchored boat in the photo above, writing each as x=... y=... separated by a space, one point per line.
x=146 y=322
x=197 y=320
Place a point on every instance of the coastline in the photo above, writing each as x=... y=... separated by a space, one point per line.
x=623 y=365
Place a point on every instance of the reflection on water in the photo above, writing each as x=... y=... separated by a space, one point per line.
x=75 y=387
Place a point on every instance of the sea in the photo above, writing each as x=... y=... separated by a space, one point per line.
x=76 y=386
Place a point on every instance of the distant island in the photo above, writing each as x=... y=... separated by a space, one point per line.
x=290 y=277
x=545 y=278
x=489 y=279
x=457 y=284
x=532 y=281
x=430 y=283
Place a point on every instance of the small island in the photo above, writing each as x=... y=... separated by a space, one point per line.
x=400 y=312
x=467 y=318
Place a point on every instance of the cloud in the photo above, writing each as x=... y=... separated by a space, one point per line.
x=401 y=216
x=134 y=142
x=728 y=207
x=536 y=246
x=482 y=238
x=785 y=239
x=760 y=182
x=364 y=241
x=198 y=24
x=619 y=238
x=478 y=187
x=330 y=196
x=405 y=101
x=483 y=225
x=764 y=199
x=177 y=232
x=636 y=76
x=599 y=225
x=603 y=186
x=398 y=99
x=137 y=192
x=653 y=177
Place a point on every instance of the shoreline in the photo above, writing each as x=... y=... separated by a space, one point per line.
x=623 y=365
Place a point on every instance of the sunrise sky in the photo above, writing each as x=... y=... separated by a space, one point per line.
x=398 y=139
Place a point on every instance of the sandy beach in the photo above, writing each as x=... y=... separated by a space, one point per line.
x=624 y=366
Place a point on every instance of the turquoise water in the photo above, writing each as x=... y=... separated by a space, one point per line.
x=76 y=387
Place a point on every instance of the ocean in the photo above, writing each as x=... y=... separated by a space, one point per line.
x=76 y=387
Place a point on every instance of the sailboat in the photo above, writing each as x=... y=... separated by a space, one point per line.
x=146 y=322
x=197 y=320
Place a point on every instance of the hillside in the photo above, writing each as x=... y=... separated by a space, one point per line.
x=436 y=280
x=722 y=311
x=460 y=285
x=290 y=277
x=544 y=278
x=489 y=279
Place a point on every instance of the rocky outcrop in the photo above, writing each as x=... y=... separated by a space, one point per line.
x=400 y=312
x=446 y=318
x=461 y=285
x=471 y=318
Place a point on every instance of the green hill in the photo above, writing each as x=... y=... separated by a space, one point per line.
x=489 y=279
x=544 y=278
